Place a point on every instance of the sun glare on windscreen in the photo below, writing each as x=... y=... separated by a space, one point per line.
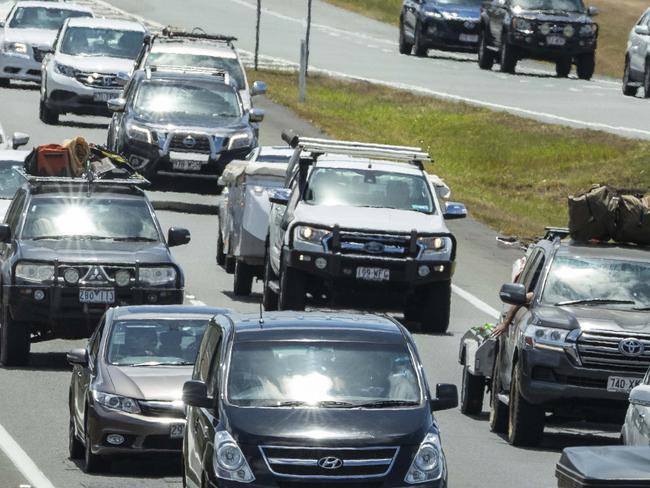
x=74 y=220
x=310 y=388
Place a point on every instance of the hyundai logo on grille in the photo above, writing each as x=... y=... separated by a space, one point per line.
x=330 y=462
x=374 y=247
x=189 y=141
x=631 y=347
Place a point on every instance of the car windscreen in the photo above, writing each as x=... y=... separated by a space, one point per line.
x=229 y=65
x=594 y=280
x=90 y=218
x=164 y=341
x=368 y=188
x=113 y=43
x=268 y=373
x=165 y=100
x=10 y=179
x=42 y=17
x=563 y=5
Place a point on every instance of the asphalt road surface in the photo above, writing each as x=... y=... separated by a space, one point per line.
x=33 y=400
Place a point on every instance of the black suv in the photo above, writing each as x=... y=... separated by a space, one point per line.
x=71 y=248
x=582 y=343
x=308 y=399
x=560 y=31
x=187 y=121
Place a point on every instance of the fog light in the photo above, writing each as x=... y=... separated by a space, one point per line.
x=115 y=439
x=439 y=269
x=122 y=277
x=39 y=295
x=71 y=276
x=423 y=271
x=152 y=298
x=321 y=263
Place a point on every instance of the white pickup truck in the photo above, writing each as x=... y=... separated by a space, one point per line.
x=360 y=219
x=244 y=213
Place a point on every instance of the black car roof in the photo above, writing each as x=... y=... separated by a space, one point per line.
x=295 y=326
x=613 y=251
x=143 y=312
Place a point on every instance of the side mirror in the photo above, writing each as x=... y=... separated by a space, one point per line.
x=513 y=294
x=642 y=30
x=446 y=397
x=116 y=104
x=5 y=233
x=258 y=88
x=78 y=356
x=19 y=139
x=256 y=115
x=2 y=24
x=593 y=11
x=178 y=237
x=280 y=197
x=455 y=210
x=195 y=394
x=640 y=395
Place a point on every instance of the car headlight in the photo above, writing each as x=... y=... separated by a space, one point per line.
x=522 y=25
x=228 y=459
x=15 y=47
x=588 y=29
x=240 y=140
x=569 y=30
x=434 y=14
x=427 y=463
x=65 y=70
x=546 y=337
x=310 y=234
x=162 y=275
x=116 y=402
x=138 y=133
x=34 y=273
x=432 y=244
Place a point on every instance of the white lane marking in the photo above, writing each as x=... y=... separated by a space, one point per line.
x=476 y=302
x=194 y=301
x=22 y=461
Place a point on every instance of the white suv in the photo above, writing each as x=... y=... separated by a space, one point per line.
x=88 y=66
x=28 y=34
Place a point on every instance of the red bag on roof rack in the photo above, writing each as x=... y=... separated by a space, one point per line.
x=48 y=160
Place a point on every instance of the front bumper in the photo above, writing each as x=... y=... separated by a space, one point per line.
x=536 y=45
x=552 y=379
x=143 y=434
x=451 y=34
x=60 y=314
x=67 y=95
x=19 y=67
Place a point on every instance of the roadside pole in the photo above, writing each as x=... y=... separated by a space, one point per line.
x=302 y=75
x=307 y=36
x=257 y=32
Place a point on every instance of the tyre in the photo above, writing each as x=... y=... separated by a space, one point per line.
x=243 y=282
x=485 y=56
x=221 y=255
x=563 y=67
x=526 y=421
x=93 y=463
x=405 y=47
x=628 y=91
x=5 y=83
x=14 y=343
x=586 y=65
x=419 y=47
x=47 y=116
x=230 y=264
x=75 y=447
x=292 y=290
x=498 y=411
x=646 y=79
x=269 y=297
x=471 y=393
x=508 y=60
x=430 y=307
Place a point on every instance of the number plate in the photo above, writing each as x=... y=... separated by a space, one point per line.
x=104 y=96
x=97 y=295
x=176 y=431
x=622 y=384
x=555 y=41
x=373 y=274
x=468 y=37
x=188 y=161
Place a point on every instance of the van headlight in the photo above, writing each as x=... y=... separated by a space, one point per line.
x=427 y=463
x=138 y=133
x=116 y=402
x=229 y=461
x=307 y=233
x=240 y=140
x=158 y=276
x=34 y=273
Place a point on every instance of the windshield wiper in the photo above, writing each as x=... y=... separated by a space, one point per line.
x=595 y=301
x=70 y=236
x=161 y=363
x=134 y=239
x=387 y=403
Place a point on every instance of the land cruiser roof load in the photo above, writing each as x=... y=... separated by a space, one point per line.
x=196 y=33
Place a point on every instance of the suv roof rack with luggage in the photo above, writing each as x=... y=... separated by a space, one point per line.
x=133 y=183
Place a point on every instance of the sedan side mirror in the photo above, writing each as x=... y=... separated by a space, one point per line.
x=455 y=210
x=446 y=397
x=642 y=30
x=116 y=104
x=5 y=233
x=280 y=197
x=178 y=236
x=78 y=357
x=513 y=294
x=640 y=396
x=19 y=139
x=256 y=115
x=195 y=394
x=258 y=88
x=593 y=11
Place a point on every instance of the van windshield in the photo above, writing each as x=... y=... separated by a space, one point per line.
x=324 y=374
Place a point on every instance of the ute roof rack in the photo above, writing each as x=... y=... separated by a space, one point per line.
x=156 y=68
x=135 y=181
x=408 y=154
x=553 y=233
x=170 y=32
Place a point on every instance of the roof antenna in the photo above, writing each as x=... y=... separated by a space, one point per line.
x=261 y=316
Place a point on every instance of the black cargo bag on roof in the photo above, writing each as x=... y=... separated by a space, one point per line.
x=607 y=466
x=592 y=215
x=633 y=220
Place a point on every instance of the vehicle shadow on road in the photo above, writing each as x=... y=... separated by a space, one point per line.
x=24 y=87
x=558 y=441
x=84 y=125
x=165 y=466
x=443 y=56
x=44 y=361
x=186 y=185
x=252 y=298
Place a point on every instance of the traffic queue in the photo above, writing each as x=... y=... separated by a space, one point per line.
x=288 y=397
